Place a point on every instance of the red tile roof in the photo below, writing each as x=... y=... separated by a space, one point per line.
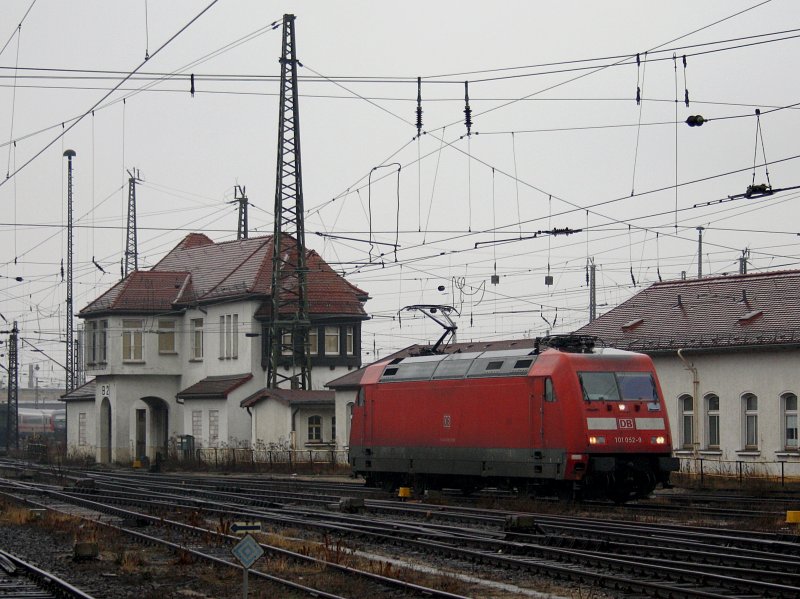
x=214 y=387
x=761 y=309
x=289 y=397
x=198 y=270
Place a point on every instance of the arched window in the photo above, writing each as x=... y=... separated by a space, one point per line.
x=789 y=401
x=750 y=409
x=686 y=407
x=712 y=421
x=315 y=428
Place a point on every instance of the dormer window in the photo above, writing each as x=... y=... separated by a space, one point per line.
x=630 y=325
x=751 y=316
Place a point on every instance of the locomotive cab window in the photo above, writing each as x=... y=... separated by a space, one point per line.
x=618 y=386
x=599 y=386
x=637 y=385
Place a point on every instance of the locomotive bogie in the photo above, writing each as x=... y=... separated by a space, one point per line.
x=581 y=423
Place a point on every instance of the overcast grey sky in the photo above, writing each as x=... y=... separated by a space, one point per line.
x=558 y=141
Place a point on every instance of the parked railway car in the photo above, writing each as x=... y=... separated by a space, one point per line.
x=572 y=419
x=34 y=424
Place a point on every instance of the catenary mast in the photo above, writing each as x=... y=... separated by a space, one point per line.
x=289 y=326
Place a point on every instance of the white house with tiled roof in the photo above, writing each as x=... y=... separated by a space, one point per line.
x=727 y=352
x=175 y=350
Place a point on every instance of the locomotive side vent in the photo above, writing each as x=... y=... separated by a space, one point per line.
x=390 y=372
x=523 y=363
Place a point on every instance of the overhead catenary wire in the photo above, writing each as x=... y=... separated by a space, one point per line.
x=107 y=95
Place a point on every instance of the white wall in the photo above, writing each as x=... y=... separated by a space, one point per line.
x=768 y=375
x=74 y=408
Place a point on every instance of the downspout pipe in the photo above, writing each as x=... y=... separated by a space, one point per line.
x=695 y=400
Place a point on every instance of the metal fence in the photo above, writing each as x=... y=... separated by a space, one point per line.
x=741 y=471
x=307 y=459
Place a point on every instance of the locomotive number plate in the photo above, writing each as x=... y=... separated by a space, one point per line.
x=446 y=421
x=625 y=423
x=627 y=439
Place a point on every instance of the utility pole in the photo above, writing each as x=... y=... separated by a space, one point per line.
x=12 y=426
x=70 y=364
x=743 y=261
x=592 y=292
x=288 y=332
x=700 y=252
x=240 y=197
x=131 y=247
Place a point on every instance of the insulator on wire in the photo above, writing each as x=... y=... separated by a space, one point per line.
x=467 y=109
x=419 y=106
x=191 y=88
x=685 y=86
x=638 y=95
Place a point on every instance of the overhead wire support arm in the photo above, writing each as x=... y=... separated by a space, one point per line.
x=753 y=192
x=552 y=232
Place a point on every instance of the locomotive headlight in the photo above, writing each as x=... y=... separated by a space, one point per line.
x=658 y=440
x=597 y=440
x=622 y=407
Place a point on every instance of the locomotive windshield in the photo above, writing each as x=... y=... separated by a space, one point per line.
x=618 y=386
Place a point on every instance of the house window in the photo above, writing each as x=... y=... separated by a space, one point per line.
x=350 y=341
x=100 y=335
x=213 y=427
x=712 y=421
x=166 y=336
x=286 y=343
x=95 y=336
x=332 y=341
x=790 y=421
x=229 y=336
x=132 y=340
x=686 y=405
x=750 y=407
x=315 y=428
x=197 y=426
x=313 y=341
x=333 y=427
x=197 y=338
x=82 y=428
x=89 y=336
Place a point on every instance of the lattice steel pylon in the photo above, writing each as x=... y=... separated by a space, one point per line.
x=70 y=366
x=131 y=247
x=12 y=423
x=289 y=326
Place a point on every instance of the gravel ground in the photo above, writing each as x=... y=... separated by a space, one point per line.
x=122 y=570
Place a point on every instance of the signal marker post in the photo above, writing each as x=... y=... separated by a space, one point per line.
x=247 y=551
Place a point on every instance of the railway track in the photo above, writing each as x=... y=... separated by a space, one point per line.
x=18 y=578
x=624 y=557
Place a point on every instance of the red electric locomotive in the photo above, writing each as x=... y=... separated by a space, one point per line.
x=563 y=418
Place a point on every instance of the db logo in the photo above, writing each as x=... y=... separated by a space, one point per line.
x=625 y=423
